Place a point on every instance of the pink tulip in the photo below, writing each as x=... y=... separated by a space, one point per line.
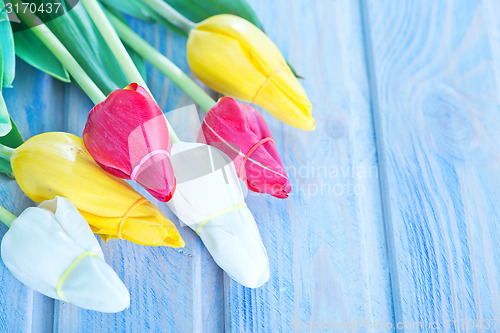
x=128 y=136
x=242 y=133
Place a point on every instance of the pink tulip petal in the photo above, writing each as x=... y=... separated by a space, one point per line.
x=124 y=134
x=242 y=133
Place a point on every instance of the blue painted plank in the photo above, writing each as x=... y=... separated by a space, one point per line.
x=326 y=242
x=434 y=72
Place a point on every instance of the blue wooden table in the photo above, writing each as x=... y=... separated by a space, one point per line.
x=394 y=217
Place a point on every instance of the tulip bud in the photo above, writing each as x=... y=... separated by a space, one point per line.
x=231 y=126
x=235 y=58
x=57 y=164
x=52 y=250
x=209 y=200
x=128 y=137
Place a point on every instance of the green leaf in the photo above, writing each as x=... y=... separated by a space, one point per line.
x=78 y=33
x=5 y=125
x=80 y=36
x=193 y=10
x=197 y=11
x=26 y=41
x=5 y=168
x=140 y=10
x=132 y=7
x=7 y=41
x=13 y=139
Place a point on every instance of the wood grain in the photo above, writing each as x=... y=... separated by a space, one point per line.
x=393 y=217
x=436 y=104
x=326 y=242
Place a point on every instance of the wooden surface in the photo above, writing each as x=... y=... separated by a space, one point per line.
x=393 y=219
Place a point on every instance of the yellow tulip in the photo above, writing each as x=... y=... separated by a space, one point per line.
x=57 y=164
x=235 y=58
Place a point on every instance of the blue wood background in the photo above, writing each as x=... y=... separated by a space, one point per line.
x=393 y=221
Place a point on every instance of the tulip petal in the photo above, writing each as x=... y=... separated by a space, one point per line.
x=128 y=136
x=230 y=124
x=234 y=242
x=210 y=201
x=37 y=251
x=40 y=253
x=235 y=58
x=73 y=223
x=93 y=284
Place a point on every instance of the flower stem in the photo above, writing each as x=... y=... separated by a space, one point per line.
x=6 y=152
x=170 y=14
x=109 y=34
x=6 y=217
x=62 y=54
x=161 y=62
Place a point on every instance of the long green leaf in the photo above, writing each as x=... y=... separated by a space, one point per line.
x=132 y=7
x=193 y=10
x=9 y=57
x=5 y=167
x=26 y=41
x=196 y=11
x=83 y=40
x=5 y=125
x=12 y=140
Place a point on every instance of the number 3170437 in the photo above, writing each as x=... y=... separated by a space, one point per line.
x=33 y=8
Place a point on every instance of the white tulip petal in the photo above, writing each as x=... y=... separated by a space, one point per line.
x=208 y=197
x=73 y=223
x=53 y=257
x=37 y=251
x=92 y=284
x=234 y=242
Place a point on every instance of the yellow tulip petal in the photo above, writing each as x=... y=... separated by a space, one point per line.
x=235 y=58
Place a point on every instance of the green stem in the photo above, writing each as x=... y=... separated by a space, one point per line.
x=6 y=154
x=109 y=34
x=171 y=15
x=6 y=217
x=161 y=62
x=62 y=54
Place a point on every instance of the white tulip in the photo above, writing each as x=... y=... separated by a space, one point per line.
x=51 y=249
x=208 y=198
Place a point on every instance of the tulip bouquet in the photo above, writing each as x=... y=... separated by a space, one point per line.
x=79 y=182
x=235 y=128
